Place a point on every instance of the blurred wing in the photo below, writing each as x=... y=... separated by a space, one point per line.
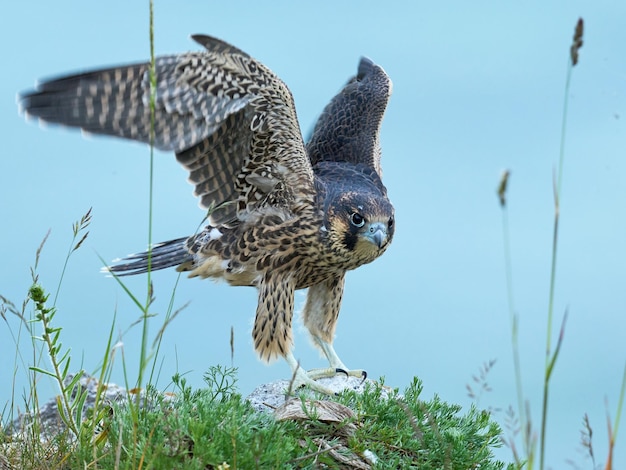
x=230 y=120
x=348 y=129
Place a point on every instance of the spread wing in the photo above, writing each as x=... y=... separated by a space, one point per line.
x=231 y=122
x=348 y=128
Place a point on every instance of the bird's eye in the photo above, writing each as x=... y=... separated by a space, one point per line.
x=390 y=223
x=357 y=219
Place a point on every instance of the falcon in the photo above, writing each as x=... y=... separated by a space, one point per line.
x=282 y=215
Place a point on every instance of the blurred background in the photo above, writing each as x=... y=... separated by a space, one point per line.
x=478 y=88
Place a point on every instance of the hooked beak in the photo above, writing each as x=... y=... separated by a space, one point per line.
x=377 y=234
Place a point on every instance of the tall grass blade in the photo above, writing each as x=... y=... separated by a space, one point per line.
x=77 y=228
x=550 y=357
x=144 y=336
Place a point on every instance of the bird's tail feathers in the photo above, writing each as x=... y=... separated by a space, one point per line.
x=163 y=255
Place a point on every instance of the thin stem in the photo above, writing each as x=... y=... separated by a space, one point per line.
x=564 y=128
x=620 y=403
x=513 y=319
x=551 y=358
x=152 y=71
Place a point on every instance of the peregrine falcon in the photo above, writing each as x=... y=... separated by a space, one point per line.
x=282 y=215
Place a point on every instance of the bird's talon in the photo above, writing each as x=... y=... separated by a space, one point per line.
x=339 y=370
x=364 y=375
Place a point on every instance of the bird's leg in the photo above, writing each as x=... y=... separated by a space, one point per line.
x=336 y=365
x=320 y=317
x=301 y=378
x=271 y=332
x=329 y=352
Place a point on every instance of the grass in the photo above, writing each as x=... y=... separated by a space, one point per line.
x=527 y=426
x=214 y=427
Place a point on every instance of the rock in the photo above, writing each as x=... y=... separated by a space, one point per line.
x=265 y=398
x=268 y=397
x=49 y=417
x=306 y=407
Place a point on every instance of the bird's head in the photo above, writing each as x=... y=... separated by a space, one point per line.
x=360 y=225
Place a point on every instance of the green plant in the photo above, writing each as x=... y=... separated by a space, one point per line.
x=528 y=432
x=71 y=400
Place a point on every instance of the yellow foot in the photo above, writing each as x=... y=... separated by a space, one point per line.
x=302 y=378
x=333 y=371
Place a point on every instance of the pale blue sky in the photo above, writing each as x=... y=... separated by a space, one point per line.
x=478 y=87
